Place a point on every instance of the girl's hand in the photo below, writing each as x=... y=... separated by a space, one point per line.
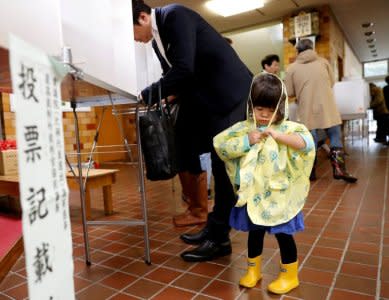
x=270 y=131
x=255 y=137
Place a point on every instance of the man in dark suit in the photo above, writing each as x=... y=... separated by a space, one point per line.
x=212 y=83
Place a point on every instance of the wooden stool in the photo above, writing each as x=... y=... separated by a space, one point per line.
x=97 y=178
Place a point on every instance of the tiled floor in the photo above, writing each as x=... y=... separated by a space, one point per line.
x=343 y=253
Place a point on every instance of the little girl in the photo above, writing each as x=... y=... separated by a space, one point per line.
x=268 y=160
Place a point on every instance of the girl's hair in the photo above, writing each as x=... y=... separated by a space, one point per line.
x=266 y=91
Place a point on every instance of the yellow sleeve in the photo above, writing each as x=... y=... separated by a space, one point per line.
x=232 y=142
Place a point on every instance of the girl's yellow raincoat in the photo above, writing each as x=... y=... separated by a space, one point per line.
x=273 y=178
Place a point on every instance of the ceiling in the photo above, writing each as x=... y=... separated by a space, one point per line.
x=349 y=13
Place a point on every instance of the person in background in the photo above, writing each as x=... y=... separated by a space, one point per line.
x=386 y=91
x=310 y=79
x=269 y=160
x=271 y=64
x=212 y=83
x=380 y=114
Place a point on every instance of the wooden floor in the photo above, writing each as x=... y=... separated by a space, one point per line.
x=343 y=253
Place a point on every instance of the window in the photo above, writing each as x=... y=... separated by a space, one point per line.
x=376 y=68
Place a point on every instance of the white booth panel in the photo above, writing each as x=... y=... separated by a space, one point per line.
x=100 y=36
x=148 y=66
x=36 y=22
x=352 y=97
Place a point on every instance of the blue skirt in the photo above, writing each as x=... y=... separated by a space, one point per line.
x=240 y=220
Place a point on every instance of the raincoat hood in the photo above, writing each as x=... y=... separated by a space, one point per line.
x=282 y=104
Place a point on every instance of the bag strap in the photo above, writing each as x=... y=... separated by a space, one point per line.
x=159 y=102
x=164 y=111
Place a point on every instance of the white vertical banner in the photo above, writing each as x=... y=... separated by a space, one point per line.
x=44 y=194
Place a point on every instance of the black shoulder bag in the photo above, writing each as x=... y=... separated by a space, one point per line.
x=158 y=141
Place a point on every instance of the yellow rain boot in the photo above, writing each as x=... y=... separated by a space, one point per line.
x=287 y=279
x=253 y=274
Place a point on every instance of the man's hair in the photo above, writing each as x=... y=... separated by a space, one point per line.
x=139 y=6
x=266 y=91
x=268 y=60
x=387 y=79
x=304 y=44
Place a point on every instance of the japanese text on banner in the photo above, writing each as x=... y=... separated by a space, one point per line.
x=42 y=179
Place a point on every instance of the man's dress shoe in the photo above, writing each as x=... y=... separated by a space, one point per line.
x=208 y=250
x=195 y=238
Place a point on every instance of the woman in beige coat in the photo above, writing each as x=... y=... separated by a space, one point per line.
x=310 y=80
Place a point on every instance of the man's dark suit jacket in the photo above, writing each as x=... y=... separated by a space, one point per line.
x=205 y=68
x=207 y=75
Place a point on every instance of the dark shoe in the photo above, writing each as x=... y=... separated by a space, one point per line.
x=312 y=176
x=380 y=140
x=208 y=250
x=195 y=238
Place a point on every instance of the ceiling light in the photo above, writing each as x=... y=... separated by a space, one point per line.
x=370 y=40
x=375 y=55
x=367 y=24
x=369 y=33
x=373 y=50
x=228 y=8
x=371 y=46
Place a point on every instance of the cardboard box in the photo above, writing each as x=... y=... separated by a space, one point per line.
x=8 y=162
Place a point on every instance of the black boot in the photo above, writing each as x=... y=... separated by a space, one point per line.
x=208 y=250
x=339 y=166
x=195 y=238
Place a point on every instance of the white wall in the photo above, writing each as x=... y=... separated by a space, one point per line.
x=352 y=66
x=253 y=44
x=148 y=66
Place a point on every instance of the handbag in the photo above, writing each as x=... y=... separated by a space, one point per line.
x=157 y=138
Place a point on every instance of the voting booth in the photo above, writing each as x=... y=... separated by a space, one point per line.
x=352 y=97
x=91 y=29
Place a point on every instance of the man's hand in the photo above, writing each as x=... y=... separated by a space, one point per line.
x=140 y=99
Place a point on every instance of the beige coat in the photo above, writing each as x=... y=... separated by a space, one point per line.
x=310 y=80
